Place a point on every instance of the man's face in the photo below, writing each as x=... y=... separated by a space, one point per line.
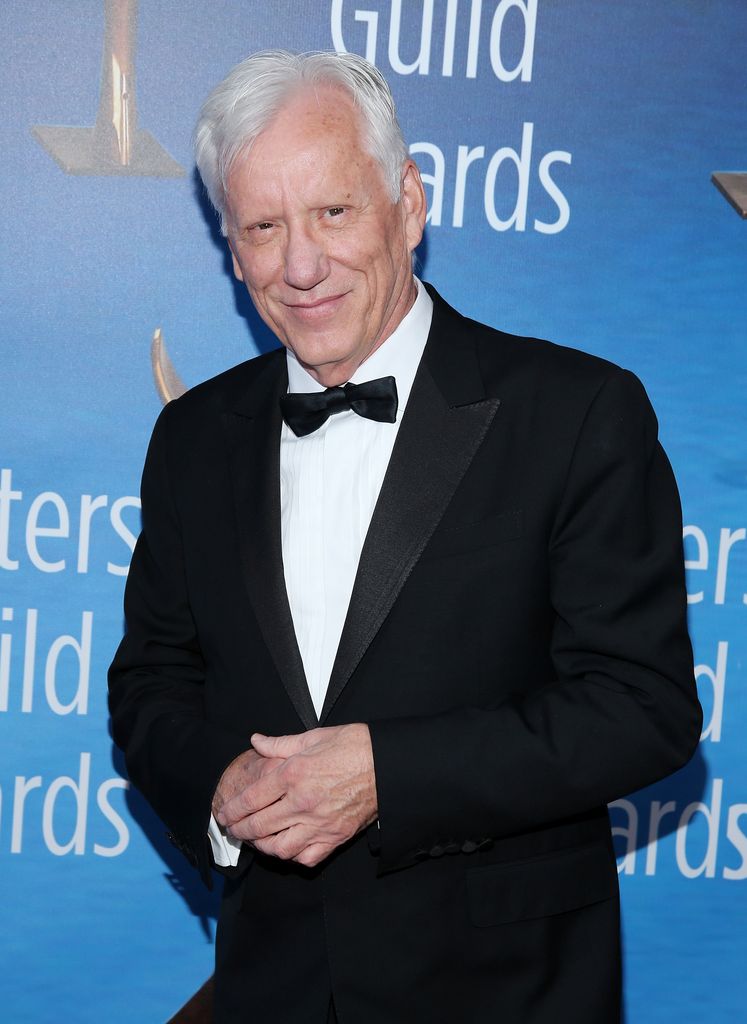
x=316 y=238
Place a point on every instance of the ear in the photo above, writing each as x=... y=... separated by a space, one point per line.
x=237 y=273
x=412 y=198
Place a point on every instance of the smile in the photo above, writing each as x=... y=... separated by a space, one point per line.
x=316 y=310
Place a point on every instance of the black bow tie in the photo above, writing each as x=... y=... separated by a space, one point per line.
x=374 y=400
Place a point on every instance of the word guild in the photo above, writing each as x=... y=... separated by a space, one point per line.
x=502 y=37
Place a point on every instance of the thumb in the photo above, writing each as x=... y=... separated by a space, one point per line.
x=274 y=746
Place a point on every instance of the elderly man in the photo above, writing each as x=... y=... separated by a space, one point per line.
x=407 y=609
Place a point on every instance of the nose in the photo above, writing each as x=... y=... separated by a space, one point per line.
x=306 y=263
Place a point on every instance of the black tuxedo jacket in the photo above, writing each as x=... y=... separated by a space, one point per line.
x=516 y=641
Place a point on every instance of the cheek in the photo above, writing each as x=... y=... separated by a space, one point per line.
x=259 y=270
x=372 y=257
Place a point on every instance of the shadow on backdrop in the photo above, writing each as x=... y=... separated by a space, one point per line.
x=261 y=334
x=651 y=814
x=655 y=812
x=183 y=879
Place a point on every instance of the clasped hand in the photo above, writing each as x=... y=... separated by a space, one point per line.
x=299 y=797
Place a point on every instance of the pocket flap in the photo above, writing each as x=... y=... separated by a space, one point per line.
x=551 y=884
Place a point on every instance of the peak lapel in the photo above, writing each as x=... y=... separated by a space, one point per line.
x=253 y=436
x=446 y=419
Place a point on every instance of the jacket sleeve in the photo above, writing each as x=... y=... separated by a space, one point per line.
x=156 y=681
x=622 y=710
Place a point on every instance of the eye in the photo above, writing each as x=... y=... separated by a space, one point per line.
x=264 y=225
x=335 y=211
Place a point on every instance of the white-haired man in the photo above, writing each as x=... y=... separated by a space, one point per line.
x=407 y=609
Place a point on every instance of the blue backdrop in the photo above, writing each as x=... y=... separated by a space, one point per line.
x=567 y=149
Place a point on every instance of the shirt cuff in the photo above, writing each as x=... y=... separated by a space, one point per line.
x=225 y=849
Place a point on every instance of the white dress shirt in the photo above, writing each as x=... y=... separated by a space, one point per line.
x=329 y=484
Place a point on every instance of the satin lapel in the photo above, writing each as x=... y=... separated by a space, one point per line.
x=253 y=435
x=446 y=419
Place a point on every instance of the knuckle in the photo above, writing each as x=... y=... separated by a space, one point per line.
x=285 y=848
x=235 y=810
x=306 y=802
x=256 y=825
x=292 y=772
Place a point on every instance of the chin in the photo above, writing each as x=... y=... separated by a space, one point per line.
x=322 y=354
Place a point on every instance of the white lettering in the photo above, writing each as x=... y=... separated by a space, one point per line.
x=712 y=729
x=79 y=790
x=629 y=832
x=712 y=816
x=123 y=531
x=522 y=162
x=371 y=18
x=88 y=505
x=699 y=563
x=123 y=835
x=465 y=157
x=29 y=661
x=82 y=651
x=473 y=45
x=5 y=647
x=422 y=61
x=727 y=540
x=518 y=41
x=564 y=210
x=7 y=494
x=23 y=787
x=33 y=530
x=528 y=11
x=739 y=840
x=447 y=68
x=657 y=813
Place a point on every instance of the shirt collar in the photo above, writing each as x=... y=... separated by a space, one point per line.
x=398 y=356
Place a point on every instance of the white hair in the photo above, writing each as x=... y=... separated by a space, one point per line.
x=245 y=102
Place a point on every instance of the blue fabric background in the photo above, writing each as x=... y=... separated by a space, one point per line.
x=651 y=271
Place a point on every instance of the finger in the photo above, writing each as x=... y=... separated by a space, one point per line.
x=314 y=854
x=270 y=821
x=254 y=797
x=285 y=845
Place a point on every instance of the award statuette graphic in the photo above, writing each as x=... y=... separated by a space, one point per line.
x=733 y=187
x=169 y=384
x=115 y=144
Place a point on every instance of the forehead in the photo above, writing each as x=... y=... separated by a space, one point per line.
x=317 y=133
x=315 y=113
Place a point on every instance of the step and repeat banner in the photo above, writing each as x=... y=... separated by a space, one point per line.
x=567 y=148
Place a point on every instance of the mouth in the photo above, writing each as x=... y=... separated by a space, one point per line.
x=317 y=309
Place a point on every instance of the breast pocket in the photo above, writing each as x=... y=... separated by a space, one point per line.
x=473 y=536
x=541 y=886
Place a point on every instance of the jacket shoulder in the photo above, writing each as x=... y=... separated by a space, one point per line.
x=541 y=365
x=233 y=388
